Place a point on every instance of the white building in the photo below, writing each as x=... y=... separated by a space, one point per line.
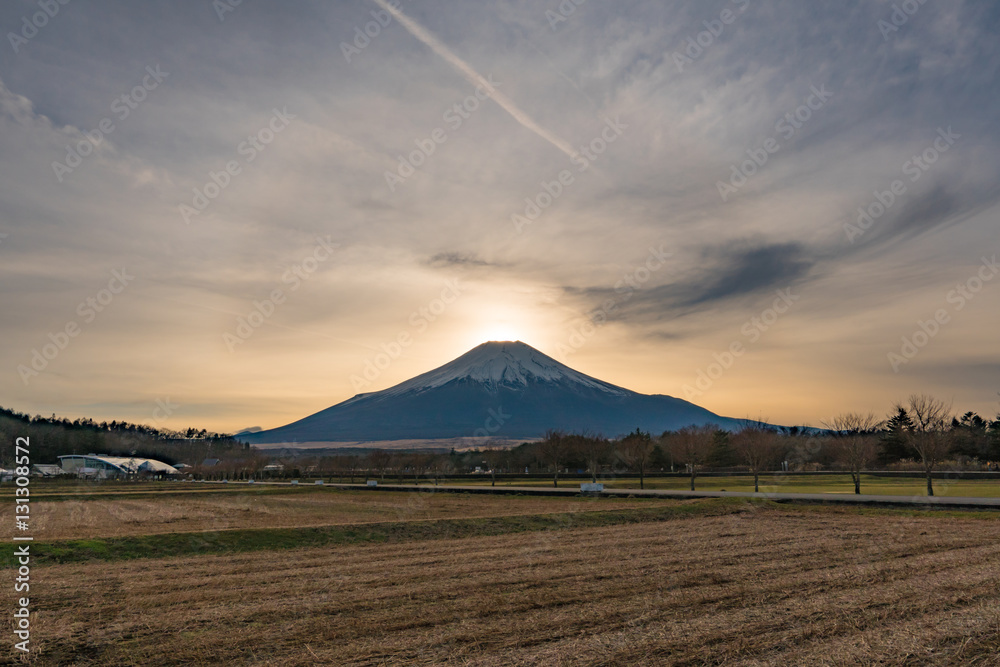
x=103 y=467
x=46 y=470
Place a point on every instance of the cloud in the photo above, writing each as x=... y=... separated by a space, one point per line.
x=452 y=259
x=738 y=269
x=325 y=175
x=723 y=274
x=943 y=205
x=473 y=77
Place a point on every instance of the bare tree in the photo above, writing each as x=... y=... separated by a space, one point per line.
x=594 y=449
x=494 y=456
x=255 y=463
x=636 y=449
x=929 y=434
x=442 y=464
x=691 y=445
x=554 y=450
x=352 y=462
x=856 y=442
x=307 y=466
x=420 y=462
x=379 y=460
x=756 y=446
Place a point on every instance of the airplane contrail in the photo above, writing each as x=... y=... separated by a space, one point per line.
x=474 y=77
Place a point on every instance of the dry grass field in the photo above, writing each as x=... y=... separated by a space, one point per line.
x=741 y=584
x=283 y=507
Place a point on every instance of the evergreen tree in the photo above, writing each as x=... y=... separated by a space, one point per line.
x=993 y=446
x=970 y=436
x=894 y=443
x=722 y=454
x=659 y=460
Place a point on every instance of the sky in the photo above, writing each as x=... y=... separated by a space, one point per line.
x=233 y=214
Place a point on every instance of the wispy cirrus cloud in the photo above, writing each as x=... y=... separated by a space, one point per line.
x=656 y=186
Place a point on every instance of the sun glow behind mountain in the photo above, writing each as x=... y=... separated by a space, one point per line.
x=511 y=323
x=498 y=332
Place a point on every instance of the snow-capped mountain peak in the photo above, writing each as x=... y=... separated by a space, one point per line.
x=499 y=389
x=509 y=364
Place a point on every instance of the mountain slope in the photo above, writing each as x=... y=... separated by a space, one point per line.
x=499 y=389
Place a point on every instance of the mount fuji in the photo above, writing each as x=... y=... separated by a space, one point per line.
x=505 y=390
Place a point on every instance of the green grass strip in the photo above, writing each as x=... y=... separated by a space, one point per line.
x=263 y=539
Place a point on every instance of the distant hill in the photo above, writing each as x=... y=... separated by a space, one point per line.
x=51 y=437
x=498 y=389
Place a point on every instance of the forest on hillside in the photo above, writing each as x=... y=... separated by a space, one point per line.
x=51 y=437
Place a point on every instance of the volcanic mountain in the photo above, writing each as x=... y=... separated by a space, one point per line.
x=504 y=390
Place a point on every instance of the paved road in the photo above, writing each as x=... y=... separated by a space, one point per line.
x=923 y=502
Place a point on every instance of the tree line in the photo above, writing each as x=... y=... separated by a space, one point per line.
x=53 y=436
x=921 y=431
